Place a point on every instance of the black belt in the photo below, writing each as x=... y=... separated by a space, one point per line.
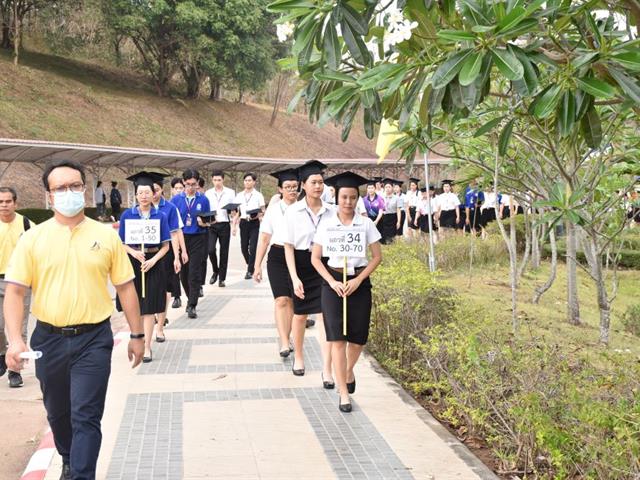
x=72 y=330
x=1 y=275
x=275 y=245
x=249 y=219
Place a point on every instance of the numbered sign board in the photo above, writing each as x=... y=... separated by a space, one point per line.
x=345 y=242
x=138 y=232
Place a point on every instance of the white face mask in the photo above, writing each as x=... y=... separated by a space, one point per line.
x=68 y=203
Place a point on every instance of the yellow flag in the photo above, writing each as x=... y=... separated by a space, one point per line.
x=386 y=136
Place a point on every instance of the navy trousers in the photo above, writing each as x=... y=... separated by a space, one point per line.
x=73 y=374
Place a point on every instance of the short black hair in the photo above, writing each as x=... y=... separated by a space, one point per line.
x=190 y=173
x=99 y=183
x=114 y=184
x=217 y=173
x=201 y=182
x=250 y=174
x=175 y=181
x=59 y=164
x=11 y=191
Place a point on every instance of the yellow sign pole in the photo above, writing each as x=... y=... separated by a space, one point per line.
x=344 y=299
x=144 y=290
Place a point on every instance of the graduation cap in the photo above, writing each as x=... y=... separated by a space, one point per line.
x=444 y=182
x=230 y=207
x=346 y=179
x=207 y=217
x=389 y=181
x=254 y=212
x=285 y=175
x=432 y=187
x=377 y=179
x=414 y=180
x=146 y=178
x=423 y=189
x=312 y=167
x=398 y=182
x=372 y=181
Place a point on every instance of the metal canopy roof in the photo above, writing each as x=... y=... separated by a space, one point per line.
x=100 y=158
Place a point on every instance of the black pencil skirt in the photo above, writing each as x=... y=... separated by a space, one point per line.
x=448 y=219
x=488 y=215
x=155 y=300
x=358 y=312
x=279 y=278
x=312 y=282
x=423 y=223
x=389 y=221
x=412 y=218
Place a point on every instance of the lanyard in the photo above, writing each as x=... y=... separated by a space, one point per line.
x=190 y=205
x=247 y=200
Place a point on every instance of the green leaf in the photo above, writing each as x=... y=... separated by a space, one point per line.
x=423 y=111
x=483 y=28
x=591 y=128
x=505 y=137
x=627 y=84
x=530 y=76
x=294 y=101
x=449 y=69
x=525 y=26
x=355 y=44
x=357 y=22
x=566 y=115
x=456 y=35
x=629 y=60
x=287 y=5
x=546 y=101
x=593 y=27
x=476 y=12
x=381 y=73
x=507 y=63
x=331 y=46
x=470 y=68
x=512 y=19
x=584 y=59
x=448 y=7
x=369 y=129
x=330 y=75
x=596 y=87
x=487 y=127
x=435 y=100
x=304 y=37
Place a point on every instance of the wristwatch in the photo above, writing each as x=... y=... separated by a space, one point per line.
x=136 y=335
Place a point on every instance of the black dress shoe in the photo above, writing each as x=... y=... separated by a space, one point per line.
x=213 y=279
x=66 y=472
x=326 y=384
x=248 y=276
x=177 y=303
x=344 y=407
x=284 y=353
x=310 y=322
x=221 y=284
x=160 y=338
x=3 y=365
x=351 y=386
x=298 y=372
x=191 y=312
x=15 y=380
x=149 y=358
x=201 y=293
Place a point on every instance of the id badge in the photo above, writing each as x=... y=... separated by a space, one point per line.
x=188 y=222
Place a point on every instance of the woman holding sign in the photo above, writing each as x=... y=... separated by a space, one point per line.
x=145 y=232
x=344 y=237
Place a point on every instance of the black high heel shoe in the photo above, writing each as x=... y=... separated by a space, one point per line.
x=149 y=358
x=284 y=353
x=326 y=384
x=298 y=372
x=345 y=407
x=351 y=386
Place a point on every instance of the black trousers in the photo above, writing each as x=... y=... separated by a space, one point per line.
x=203 y=270
x=191 y=273
x=219 y=232
x=73 y=375
x=249 y=231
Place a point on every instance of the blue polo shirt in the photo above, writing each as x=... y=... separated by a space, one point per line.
x=155 y=214
x=189 y=210
x=472 y=197
x=170 y=211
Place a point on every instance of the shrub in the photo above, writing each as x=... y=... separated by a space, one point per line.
x=631 y=319
x=494 y=231
x=543 y=409
x=455 y=252
x=36 y=215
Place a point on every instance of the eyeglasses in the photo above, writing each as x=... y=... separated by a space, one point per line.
x=74 y=187
x=290 y=188
x=191 y=185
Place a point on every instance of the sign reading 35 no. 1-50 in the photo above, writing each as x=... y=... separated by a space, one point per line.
x=345 y=242
x=142 y=232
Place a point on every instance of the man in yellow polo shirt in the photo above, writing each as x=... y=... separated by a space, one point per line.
x=67 y=261
x=12 y=226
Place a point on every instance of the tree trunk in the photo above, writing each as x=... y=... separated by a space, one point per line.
x=527 y=248
x=191 y=77
x=595 y=264
x=554 y=267
x=537 y=237
x=17 y=34
x=281 y=85
x=216 y=90
x=240 y=95
x=6 y=33
x=573 y=305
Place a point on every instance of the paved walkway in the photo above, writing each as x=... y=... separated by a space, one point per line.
x=218 y=402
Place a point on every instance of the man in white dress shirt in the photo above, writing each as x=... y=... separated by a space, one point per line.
x=251 y=208
x=220 y=232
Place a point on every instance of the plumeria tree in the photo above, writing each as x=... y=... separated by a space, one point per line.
x=544 y=86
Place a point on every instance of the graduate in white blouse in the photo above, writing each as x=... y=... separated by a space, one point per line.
x=302 y=220
x=411 y=201
x=448 y=213
x=272 y=236
x=346 y=349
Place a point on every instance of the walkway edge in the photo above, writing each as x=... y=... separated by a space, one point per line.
x=459 y=448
